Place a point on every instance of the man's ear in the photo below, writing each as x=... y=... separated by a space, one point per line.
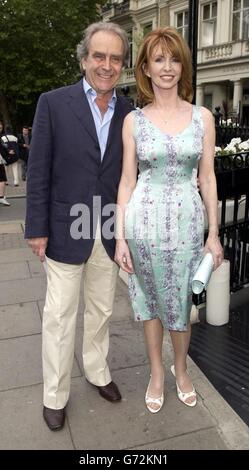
x=83 y=63
x=145 y=69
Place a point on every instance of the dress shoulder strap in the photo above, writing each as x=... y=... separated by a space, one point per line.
x=136 y=121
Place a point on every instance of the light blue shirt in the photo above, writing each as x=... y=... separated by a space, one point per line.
x=102 y=124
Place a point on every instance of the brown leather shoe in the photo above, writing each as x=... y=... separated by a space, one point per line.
x=54 y=418
x=110 y=391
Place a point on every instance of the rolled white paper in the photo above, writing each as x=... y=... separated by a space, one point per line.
x=203 y=274
x=218 y=295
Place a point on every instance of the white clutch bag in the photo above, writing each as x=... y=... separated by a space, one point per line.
x=203 y=274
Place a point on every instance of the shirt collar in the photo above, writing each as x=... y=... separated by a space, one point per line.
x=91 y=93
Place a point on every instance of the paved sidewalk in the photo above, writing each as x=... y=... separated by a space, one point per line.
x=92 y=422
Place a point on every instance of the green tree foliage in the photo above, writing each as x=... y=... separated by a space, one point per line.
x=37 y=47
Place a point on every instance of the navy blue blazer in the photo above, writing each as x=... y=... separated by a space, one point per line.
x=65 y=169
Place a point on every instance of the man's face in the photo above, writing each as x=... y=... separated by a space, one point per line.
x=25 y=131
x=104 y=62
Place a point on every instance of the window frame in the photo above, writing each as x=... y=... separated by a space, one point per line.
x=183 y=30
x=240 y=11
x=146 y=25
x=131 y=45
x=211 y=20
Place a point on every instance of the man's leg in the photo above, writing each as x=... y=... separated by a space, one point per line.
x=100 y=277
x=24 y=169
x=58 y=330
x=15 y=173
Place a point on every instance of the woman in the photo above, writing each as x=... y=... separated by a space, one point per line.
x=3 y=178
x=163 y=222
x=10 y=142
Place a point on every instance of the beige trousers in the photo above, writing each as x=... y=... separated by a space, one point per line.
x=59 y=322
x=15 y=172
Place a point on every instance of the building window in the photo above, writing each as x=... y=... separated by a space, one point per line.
x=208 y=101
x=147 y=28
x=181 y=23
x=209 y=21
x=240 y=20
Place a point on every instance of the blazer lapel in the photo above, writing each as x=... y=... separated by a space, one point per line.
x=80 y=107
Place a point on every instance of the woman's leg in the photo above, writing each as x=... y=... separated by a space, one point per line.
x=3 y=199
x=153 y=332
x=8 y=172
x=180 y=341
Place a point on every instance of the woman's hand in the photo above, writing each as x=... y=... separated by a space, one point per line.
x=123 y=256
x=213 y=246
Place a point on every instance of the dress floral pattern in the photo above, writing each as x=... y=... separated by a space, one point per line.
x=164 y=221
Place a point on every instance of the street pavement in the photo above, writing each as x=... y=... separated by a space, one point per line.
x=92 y=423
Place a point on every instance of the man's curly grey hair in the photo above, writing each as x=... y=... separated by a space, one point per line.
x=83 y=46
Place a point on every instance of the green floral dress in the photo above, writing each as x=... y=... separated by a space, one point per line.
x=164 y=221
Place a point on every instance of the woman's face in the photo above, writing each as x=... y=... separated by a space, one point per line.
x=163 y=69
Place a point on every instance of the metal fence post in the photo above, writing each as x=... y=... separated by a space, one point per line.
x=193 y=38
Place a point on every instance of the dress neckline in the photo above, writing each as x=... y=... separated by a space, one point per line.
x=166 y=133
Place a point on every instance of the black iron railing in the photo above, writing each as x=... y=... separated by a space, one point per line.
x=224 y=135
x=232 y=174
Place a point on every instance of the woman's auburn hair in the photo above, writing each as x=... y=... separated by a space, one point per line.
x=171 y=42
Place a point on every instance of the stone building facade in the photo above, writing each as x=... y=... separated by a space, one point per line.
x=223 y=45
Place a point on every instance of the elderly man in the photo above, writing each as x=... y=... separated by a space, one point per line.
x=73 y=174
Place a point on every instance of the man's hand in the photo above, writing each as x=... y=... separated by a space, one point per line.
x=38 y=246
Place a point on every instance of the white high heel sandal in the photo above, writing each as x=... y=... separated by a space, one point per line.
x=150 y=400
x=183 y=396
